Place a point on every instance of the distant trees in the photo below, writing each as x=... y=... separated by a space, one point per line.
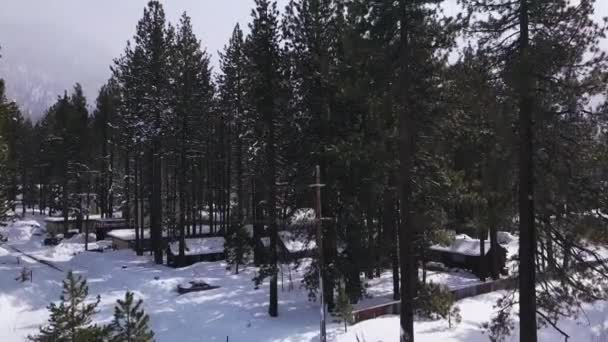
x=4 y=175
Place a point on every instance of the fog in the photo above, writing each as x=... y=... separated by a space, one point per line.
x=48 y=45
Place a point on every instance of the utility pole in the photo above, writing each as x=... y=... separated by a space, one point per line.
x=319 y=225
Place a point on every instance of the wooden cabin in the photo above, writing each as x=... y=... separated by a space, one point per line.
x=54 y=225
x=105 y=225
x=210 y=248
x=465 y=253
x=125 y=239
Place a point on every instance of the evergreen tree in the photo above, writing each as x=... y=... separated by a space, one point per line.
x=143 y=74
x=312 y=30
x=71 y=319
x=104 y=128
x=3 y=153
x=232 y=96
x=194 y=104
x=344 y=308
x=237 y=246
x=263 y=59
x=130 y=323
x=537 y=48
x=418 y=62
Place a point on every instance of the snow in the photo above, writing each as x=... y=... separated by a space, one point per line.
x=295 y=243
x=475 y=311
x=80 y=238
x=236 y=309
x=22 y=230
x=198 y=246
x=505 y=238
x=463 y=244
x=302 y=216
x=127 y=234
x=292 y=242
x=56 y=219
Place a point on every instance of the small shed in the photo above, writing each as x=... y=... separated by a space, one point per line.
x=125 y=239
x=464 y=253
x=105 y=225
x=197 y=249
x=54 y=225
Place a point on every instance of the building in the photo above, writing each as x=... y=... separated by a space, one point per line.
x=125 y=239
x=54 y=225
x=209 y=248
x=105 y=225
x=465 y=253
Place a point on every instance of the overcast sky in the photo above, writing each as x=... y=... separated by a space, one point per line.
x=55 y=43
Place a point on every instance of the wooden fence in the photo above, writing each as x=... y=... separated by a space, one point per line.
x=393 y=308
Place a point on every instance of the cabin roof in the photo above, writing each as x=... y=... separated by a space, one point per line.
x=200 y=246
x=292 y=242
x=464 y=245
x=127 y=234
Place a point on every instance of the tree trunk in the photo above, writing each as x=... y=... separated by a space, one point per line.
x=482 y=254
x=138 y=214
x=127 y=206
x=273 y=308
x=527 y=234
x=156 y=202
x=494 y=247
x=409 y=271
x=66 y=208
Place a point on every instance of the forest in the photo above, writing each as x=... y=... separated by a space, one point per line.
x=422 y=124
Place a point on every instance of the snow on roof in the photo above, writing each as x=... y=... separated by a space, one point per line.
x=24 y=223
x=292 y=242
x=198 y=246
x=54 y=219
x=127 y=234
x=463 y=244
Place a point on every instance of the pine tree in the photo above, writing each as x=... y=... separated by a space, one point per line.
x=344 y=308
x=71 y=319
x=263 y=59
x=144 y=75
x=312 y=30
x=537 y=47
x=237 y=246
x=193 y=108
x=232 y=96
x=3 y=152
x=104 y=128
x=130 y=323
x=418 y=27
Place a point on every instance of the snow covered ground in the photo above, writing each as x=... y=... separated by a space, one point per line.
x=236 y=309
x=474 y=312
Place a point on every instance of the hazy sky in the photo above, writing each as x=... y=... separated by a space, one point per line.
x=51 y=44
x=66 y=41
